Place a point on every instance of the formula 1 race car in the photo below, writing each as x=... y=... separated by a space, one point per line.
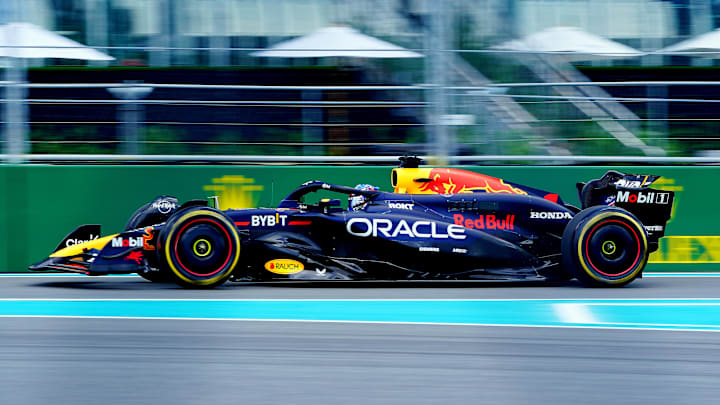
x=439 y=224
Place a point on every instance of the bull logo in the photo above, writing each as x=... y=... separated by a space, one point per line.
x=455 y=181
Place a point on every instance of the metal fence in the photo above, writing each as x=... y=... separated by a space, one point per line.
x=128 y=135
x=474 y=105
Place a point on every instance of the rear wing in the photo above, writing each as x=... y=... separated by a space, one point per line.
x=631 y=192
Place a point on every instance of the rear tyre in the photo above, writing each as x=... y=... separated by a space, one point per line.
x=605 y=247
x=200 y=247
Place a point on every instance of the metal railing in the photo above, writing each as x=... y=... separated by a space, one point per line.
x=255 y=159
x=489 y=90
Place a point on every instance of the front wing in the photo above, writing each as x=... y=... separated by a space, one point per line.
x=114 y=254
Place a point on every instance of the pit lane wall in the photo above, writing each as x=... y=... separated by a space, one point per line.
x=39 y=205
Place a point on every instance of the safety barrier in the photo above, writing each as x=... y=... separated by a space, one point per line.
x=41 y=204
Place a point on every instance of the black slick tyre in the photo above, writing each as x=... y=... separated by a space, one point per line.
x=199 y=247
x=605 y=247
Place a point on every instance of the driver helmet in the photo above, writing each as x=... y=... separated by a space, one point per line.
x=357 y=202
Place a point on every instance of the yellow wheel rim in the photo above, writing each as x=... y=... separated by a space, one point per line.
x=202 y=248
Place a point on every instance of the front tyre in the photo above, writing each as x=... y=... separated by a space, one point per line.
x=200 y=247
x=605 y=247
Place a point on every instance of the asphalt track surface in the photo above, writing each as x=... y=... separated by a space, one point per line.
x=113 y=359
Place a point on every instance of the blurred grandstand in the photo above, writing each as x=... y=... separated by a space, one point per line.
x=186 y=84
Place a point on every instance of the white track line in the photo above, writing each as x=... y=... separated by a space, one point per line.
x=574 y=313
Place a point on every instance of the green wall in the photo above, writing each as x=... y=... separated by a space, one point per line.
x=41 y=204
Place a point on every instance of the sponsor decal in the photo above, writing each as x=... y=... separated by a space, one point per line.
x=628 y=183
x=73 y=242
x=643 y=197
x=654 y=228
x=127 y=242
x=284 y=266
x=550 y=215
x=147 y=238
x=610 y=200
x=320 y=272
x=268 y=220
x=365 y=227
x=136 y=256
x=164 y=206
x=459 y=250
x=485 y=222
x=401 y=206
x=429 y=249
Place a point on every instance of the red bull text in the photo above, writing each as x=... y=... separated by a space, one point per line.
x=486 y=222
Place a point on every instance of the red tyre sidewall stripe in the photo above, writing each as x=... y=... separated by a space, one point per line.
x=587 y=248
x=227 y=235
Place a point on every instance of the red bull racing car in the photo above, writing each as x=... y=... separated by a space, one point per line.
x=438 y=224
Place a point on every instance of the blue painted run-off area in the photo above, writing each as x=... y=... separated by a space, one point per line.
x=694 y=314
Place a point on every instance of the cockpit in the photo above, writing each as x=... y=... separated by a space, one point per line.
x=358 y=198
